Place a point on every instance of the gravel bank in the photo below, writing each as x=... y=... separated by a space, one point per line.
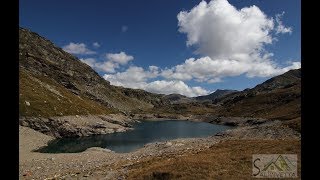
x=98 y=163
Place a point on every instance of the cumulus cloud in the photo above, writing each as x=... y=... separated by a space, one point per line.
x=232 y=42
x=96 y=45
x=77 y=48
x=111 y=62
x=210 y=70
x=137 y=78
x=124 y=28
x=89 y=61
x=281 y=28
x=121 y=58
x=220 y=30
x=177 y=87
x=105 y=66
x=132 y=76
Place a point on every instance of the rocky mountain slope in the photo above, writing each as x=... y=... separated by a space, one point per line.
x=276 y=98
x=62 y=97
x=219 y=93
x=54 y=83
x=177 y=98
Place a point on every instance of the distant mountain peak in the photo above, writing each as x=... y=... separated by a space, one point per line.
x=215 y=95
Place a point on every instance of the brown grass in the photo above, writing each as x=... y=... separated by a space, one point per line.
x=227 y=160
x=281 y=104
x=46 y=103
x=294 y=124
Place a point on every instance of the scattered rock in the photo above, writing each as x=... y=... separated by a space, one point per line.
x=99 y=125
x=100 y=149
x=28 y=173
x=179 y=144
x=27 y=103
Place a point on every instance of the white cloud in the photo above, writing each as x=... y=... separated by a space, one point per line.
x=210 y=70
x=268 y=69
x=77 y=48
x=106 y=66
x=232 y=42
x=96 y=44
x=121 y=58
x=220 y=30
x=137 y=78
x=153 y=68
x=177 y=87
x=131 y=76
x=281 y=28
x=124 y=28
x=112 y=62
x=89 y=61
x=294 y=65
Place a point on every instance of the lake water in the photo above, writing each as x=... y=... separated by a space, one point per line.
x=143 y=133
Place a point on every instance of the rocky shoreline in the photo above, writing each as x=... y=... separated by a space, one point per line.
x=86 y=125
x=221 y=120
x=98 y=163
x=77 y=126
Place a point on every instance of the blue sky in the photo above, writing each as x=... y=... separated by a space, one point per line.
x=135 y=34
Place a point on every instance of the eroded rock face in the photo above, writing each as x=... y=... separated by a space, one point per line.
x=77 y=126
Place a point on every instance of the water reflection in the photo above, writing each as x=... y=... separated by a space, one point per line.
x=143 y=133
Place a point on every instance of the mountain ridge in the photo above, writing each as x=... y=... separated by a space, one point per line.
x=219 y=93
x=55 y=83
x=41 y=62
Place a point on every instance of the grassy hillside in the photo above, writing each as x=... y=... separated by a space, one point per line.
x=227 y=160
x=278 y=104
x=46 y=68
x=55 y=82
x=276 y=98
x=48 y=98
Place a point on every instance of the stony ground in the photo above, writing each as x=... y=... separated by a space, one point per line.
x=79 y=125
x=97 y=163
x=94 y=162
